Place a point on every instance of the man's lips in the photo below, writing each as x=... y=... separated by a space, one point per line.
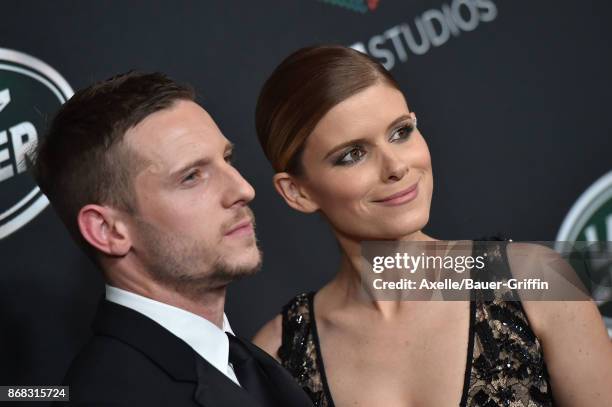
x=401 y=197
x=241 y=228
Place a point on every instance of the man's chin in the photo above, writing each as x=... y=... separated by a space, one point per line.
x=246 y=269
x=248 y=265
x=220 y=277
x=227 y=275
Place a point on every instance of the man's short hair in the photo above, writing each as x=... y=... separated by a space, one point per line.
x=83 y=158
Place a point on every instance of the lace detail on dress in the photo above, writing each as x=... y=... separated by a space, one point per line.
x=298 y=352
x=508 y=367
x=505 y=367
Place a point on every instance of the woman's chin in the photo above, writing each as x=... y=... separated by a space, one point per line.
x=409 y=228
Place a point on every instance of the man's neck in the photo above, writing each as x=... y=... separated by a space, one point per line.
x=208 y=304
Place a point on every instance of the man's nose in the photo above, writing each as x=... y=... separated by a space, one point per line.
x=237 y=190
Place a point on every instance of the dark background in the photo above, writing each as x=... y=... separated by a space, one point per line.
x=516 y=114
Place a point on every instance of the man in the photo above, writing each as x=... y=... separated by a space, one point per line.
x=142 y=178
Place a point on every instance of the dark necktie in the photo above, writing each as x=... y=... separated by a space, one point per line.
x=249 y=373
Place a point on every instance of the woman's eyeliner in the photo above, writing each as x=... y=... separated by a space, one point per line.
x=357 y=152
x=347 y=158
x=406 y=131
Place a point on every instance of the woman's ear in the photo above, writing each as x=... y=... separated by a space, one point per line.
x=295 y=195
x=103 y=228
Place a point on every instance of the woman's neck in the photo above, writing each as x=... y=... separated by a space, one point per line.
x=346 y=288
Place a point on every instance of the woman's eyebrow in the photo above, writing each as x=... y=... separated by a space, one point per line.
x=398 y=120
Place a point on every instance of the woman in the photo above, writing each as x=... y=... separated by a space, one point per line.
x=343 y=142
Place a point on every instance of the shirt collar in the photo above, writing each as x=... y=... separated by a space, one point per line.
x=201 y=335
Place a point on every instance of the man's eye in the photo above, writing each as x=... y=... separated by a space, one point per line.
x=352 y=156
x=401 y=134
x=192 y=176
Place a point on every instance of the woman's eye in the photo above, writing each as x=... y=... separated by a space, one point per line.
x=351 y=157
x=229 y=158
x=402 y=133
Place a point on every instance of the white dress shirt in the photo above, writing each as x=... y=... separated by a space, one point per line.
x=201 y=335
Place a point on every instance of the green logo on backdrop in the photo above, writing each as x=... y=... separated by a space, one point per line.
x=590 y=220
x=30 y=93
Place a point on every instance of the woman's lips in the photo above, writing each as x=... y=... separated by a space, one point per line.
x=401 y=197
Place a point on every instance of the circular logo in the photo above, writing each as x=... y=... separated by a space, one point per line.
x=590 y=220
x=30 y=93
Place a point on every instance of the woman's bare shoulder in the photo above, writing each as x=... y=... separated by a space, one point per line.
x=269 y=336
x=576 y=345
x=536 y=261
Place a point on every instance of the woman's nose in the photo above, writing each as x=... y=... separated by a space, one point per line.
x=394 y=167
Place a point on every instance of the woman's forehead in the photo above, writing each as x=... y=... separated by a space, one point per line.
x=362 y=115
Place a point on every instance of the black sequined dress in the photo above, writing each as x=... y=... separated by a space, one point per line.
x=505 y=365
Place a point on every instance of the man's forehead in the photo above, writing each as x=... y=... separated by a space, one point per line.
x=184 y=128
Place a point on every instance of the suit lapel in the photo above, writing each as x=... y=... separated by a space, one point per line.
x=287 y=390
x=215 y=389
x=170 y=353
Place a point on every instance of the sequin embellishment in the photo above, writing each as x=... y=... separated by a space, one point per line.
x=507 y=366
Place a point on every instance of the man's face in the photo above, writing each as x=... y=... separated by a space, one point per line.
x=192 y=228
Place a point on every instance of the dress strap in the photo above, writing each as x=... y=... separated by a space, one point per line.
x=298 y=351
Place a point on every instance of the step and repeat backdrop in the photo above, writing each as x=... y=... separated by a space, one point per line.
x=513 y=98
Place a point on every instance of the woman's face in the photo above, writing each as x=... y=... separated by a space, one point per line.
x=367 y=168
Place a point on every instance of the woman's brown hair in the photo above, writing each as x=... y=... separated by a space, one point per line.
x=301 y=90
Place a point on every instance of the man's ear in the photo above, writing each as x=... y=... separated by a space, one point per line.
x=295 y=195
x=103 y=229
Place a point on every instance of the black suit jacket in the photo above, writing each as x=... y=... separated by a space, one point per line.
x=133 y=361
